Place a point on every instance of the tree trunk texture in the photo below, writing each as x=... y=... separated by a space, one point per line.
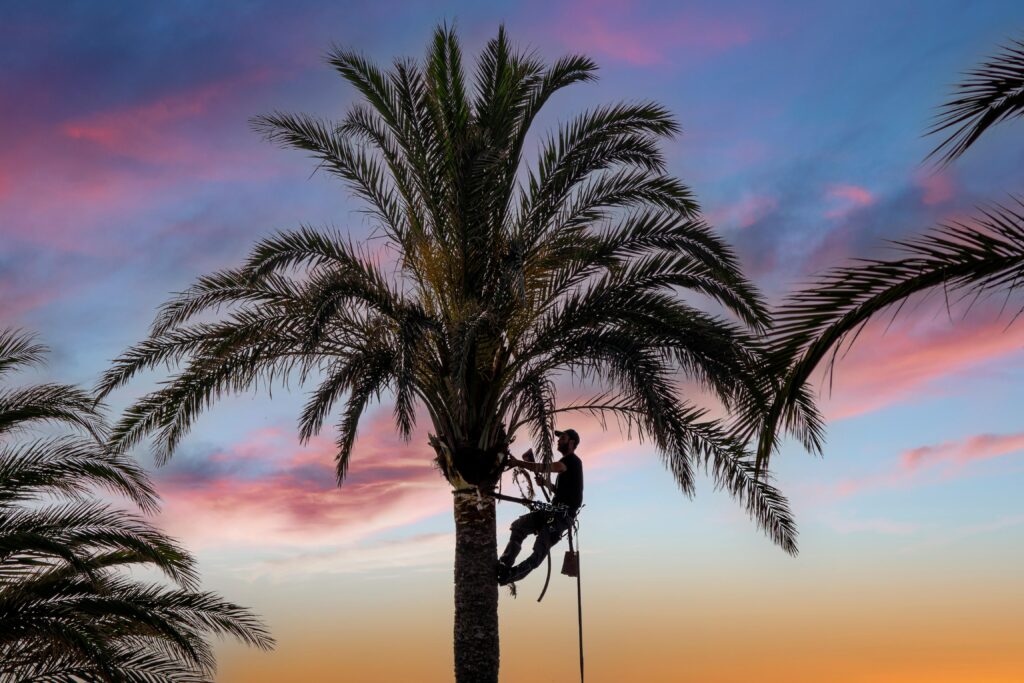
x=476 y=590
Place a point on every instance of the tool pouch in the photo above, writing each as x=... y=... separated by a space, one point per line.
x=571 y=563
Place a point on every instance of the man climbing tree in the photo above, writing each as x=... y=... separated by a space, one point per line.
x=548 y=525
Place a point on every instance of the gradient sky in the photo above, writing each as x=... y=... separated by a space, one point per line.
x=127 y=168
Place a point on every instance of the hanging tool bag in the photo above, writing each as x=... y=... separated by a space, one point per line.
x=571 y=563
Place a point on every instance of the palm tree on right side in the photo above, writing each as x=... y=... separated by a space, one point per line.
x=973 y=259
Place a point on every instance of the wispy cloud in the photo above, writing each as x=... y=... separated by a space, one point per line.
x=269 y=491
x=844 y=198
x=926 y=465
x=936 y=188
x=151 y=131
x=887 y=367
x=746 y=212
x=619 y=31
x=17 y=298
x=960 y=452
x=417 y=552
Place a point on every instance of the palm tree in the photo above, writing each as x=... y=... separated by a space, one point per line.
x=68 y=612
x=976 y=258
x=507 y=277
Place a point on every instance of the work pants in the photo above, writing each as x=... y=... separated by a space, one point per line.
x=549 y=527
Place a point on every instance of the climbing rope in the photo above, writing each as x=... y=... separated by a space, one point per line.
x=575 y=528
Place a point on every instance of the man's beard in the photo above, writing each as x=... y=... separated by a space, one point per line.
x=560 y=448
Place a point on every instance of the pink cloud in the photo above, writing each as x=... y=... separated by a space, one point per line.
x=282 y=494
x=846 y=198
x=175 y=142
x=846 y=488
x=745 y=213
x=149 y=131
x=979 y=447
x=936 y=188
x=929 y=464
x=613 y=29
x=905 y=363
x=16 y=299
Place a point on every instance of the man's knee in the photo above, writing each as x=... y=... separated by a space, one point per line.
x=522 y=525
x=543 y=544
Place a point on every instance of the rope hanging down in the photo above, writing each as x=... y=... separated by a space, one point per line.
x=579 y=593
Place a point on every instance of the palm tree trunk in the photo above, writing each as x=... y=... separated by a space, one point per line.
x=476 y=590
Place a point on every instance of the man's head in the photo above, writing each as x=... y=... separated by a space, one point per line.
x=568 y=440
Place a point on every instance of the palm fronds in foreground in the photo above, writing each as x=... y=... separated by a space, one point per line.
x=976 y=258
x=68 y=610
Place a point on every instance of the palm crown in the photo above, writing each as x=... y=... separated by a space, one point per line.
x=507 y=278
x=68 y=612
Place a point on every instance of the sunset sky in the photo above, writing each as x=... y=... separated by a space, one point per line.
x=128 y=168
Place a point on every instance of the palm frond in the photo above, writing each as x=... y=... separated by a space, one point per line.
x=226 y=287
x=99 y=534
x=373 y=375
x=992 y=93
x=339 y=258
x=26 y=407
x=70 y=465
x=18 y=349
x=624 y=134
x=339 y=156
x=641 y=246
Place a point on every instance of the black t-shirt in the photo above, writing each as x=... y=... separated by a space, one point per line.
x=569 y=484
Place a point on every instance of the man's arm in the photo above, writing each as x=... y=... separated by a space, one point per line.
x=538 y=467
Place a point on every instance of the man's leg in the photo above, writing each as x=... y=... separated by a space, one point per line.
x=547 y=536
x=527 y=524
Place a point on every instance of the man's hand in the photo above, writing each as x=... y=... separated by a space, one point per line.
x=529 y=463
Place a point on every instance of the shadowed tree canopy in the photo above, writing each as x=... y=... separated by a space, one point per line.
x=967 y=260
x=68 y=609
